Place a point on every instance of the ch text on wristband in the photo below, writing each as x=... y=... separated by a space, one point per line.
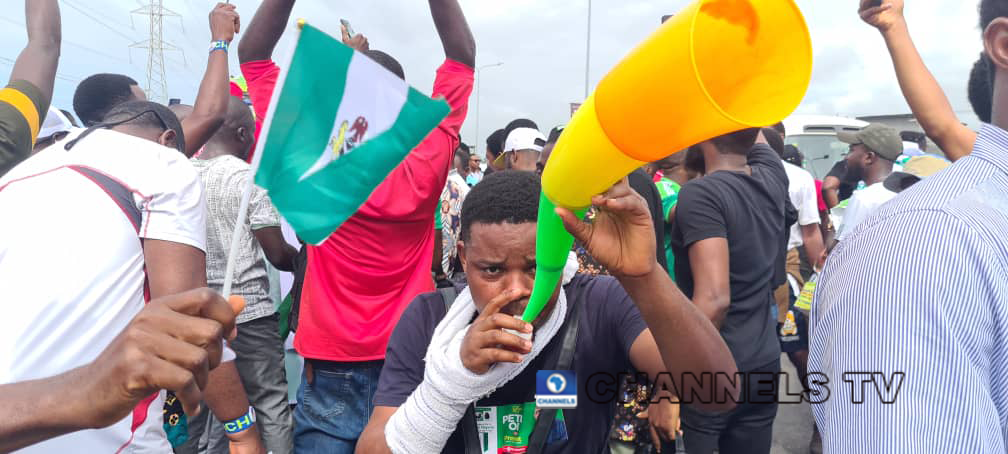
x=241 y=424
x=219 y=45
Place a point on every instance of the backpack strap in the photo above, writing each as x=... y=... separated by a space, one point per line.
x=544 y=424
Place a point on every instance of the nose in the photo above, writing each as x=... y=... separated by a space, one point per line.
x=518 y=281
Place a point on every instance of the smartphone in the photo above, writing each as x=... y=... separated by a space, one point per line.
x=349 y=29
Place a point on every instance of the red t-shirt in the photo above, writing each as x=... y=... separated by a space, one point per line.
x=361 y=279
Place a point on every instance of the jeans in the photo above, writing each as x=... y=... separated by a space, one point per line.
x=747 y=429
x=260 y=363
x=334 y=405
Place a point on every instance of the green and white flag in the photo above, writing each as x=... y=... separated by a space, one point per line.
x=337 y=125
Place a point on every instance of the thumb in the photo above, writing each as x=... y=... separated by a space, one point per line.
x=579 y=229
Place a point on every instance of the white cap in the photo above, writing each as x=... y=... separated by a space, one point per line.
x=55 y=122
x=525 y=139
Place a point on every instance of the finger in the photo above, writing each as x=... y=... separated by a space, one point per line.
x=194 y=331
x=578 y=228
x=237 y=24
x=500 y=321
x=655 y=437
x=492 y=356
x=182 y=354
x=204 y=303
x=162 y=374
x=499 y=339
x=345 y=33
x=498 y=303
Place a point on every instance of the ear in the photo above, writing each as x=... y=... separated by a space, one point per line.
x=167 y=138
x=996 y=47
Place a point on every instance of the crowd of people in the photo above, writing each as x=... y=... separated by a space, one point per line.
x=121 y=233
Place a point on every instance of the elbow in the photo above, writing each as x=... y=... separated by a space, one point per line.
x=465 y=55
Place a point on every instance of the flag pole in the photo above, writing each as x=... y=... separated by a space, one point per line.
x=243 y=207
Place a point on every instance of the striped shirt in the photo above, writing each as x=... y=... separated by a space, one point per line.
x=921 y=287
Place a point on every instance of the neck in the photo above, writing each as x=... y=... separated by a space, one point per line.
x=877 y=173
x=731 y=162
x=216 y=150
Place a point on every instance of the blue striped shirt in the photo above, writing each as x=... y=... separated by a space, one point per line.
x=921 y=287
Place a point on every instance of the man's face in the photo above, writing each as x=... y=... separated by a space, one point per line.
x=501 y=257
x=138 y=93
x=858 y=158
x=474 y=163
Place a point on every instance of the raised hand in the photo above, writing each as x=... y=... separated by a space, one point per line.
x=358 y=41
x=224 y=22
x=486 y=343
x=883 y=16
x=622 y=236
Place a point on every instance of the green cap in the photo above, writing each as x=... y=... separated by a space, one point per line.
x=883 y=140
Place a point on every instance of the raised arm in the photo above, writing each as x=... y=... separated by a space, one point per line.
x=39 y=59
x=456 y=38
x=928 y=103
x=265 y=30
x=212 y=101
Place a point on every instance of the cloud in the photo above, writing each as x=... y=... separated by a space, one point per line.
x=541 y=43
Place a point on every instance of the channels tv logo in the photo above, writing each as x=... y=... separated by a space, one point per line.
x=556 y=389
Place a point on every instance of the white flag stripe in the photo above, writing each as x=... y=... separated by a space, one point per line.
x=364 y=112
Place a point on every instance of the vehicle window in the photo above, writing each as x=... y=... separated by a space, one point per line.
x=821 y=151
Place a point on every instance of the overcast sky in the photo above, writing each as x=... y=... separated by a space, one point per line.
x=540 y=42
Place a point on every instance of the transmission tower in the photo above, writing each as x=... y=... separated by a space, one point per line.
x=157 y=84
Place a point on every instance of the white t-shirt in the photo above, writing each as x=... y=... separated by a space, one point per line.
x=72 y=266
x=862 y=204
x=802 y=191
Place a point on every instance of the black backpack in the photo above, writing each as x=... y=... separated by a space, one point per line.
x=560 y=360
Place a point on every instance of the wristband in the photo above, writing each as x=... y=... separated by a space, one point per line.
x=241 y=424
x=219 y=45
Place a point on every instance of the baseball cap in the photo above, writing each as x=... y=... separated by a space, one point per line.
x=883 y=140
x=522 y=139
x=55 y=122
x=915 y=169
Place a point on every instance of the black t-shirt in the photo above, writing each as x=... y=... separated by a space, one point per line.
x=609 y=323
x=644 y=185
x=749 y=211
x=847 y=186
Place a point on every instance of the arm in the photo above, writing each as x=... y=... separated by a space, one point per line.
x=38 y=61
x=831 y=191
x=813 y=242
x=372 y=439
x=147 y=356
x=622 y=238
x=928 y=103
x=265 y=30
x=173 y=268
x=452 y=28
x=278 y=251
x=212 y=101
x=712 y=291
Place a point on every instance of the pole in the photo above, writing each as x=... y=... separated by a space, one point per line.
x=588 y=52
x=479 y=86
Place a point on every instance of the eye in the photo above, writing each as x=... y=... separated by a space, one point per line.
x=492 y=270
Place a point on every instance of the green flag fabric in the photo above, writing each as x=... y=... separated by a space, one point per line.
x=337 y=125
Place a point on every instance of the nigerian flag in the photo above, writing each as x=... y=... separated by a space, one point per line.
x=337 y=125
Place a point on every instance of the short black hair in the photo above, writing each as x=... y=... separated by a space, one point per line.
x=793 y=155
x=775 y=140
x=990 y=10
x=495 y=143
x=738 y=142
x=779 y=127
x=508 y=196
x=146 y=114
x=519 y=123
x=979 y=89
x=98 y=94
x=387 y=61
x=462 y=152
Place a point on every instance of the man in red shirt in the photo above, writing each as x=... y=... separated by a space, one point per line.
x=361 y=279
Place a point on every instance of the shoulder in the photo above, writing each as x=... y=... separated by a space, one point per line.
x=596 y=291
x=420 y=317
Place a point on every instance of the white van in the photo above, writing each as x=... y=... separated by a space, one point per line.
x=816 y=138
